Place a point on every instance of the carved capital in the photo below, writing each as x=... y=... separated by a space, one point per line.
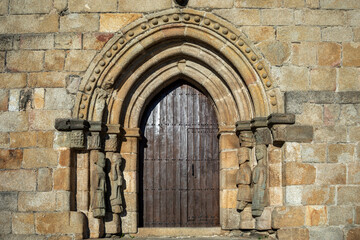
x=77 y=139
x=111 y=143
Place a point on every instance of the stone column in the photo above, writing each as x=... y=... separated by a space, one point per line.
x=114 y=168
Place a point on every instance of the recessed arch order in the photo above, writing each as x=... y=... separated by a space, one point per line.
x=155 y=51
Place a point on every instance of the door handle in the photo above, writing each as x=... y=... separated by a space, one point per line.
x=193 y=169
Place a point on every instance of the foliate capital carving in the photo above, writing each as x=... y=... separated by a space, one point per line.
x=94 y=141
x=111 y=142
x=246 y=139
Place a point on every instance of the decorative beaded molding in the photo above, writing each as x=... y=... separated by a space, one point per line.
x=175 y=23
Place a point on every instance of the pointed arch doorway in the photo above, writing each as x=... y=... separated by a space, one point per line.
x=179 y=160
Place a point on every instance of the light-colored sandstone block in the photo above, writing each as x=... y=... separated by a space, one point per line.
x=348 y=79
x=337 y=34
x=211 y=4
x=79 y=23
x=257 y=3
x=39 y=98
x=44 y=180
x=77 y=60
x=240 y=16
x=292 y=152
x=36 y=201
x=45 y=119
x=259 y=33
x=340 y=153
x=276 y=52
x=298 y=33
x=294 y=78
x=318 y=195
x=18 y=180
x=293 y=234
x=92 y=6
x=23 y=223
x=36 y=42
x=4 y=6
x=14 y=100
x=354 y=173
x=313 y=153
x=68 y=41
x=298 y=174
x=145 y=6
x=323 y=79
x=58 y=98
x=322 y=17
x=293 y=195
x=288 y=217
x=337 y=176
x=54 y=60
x=16 y=24
x=312 y=114
x=228 y=198
x=329 y=54
x=113 y=22
x=5 y=222
x=229 y=159
x=30 y=6
x=13 y=121
x=351 y=54
x=294 y=3
x=25 y=61
x=330 y=134
x=340 y=215
x=330 y=233
x=277 y=16
x=62 y=179
x=39 y=157
x=47 y=79
x=344 y=4
x=275 y=196
x=304 y=54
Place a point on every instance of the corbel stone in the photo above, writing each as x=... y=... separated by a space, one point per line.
x=246 y=137
x=76 y=129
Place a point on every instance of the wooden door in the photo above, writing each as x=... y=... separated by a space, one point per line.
x=179 y=171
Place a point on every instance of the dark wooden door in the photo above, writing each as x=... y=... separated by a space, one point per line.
x=179 y=174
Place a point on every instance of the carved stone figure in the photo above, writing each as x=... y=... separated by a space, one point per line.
x=117 y=180
x=100 y=105
x=259 y=181
x=243 y=179
x=99 y=183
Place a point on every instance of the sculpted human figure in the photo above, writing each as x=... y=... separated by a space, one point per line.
x=243 y=179
x=116 y=179
x=98 y=199
x=259 y=181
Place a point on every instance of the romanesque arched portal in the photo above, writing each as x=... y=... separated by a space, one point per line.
x=139 y=61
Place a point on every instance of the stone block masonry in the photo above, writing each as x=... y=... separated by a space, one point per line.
x=310 y=49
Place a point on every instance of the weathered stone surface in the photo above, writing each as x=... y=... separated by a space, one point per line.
x=29 y=23
x=257 y=3
x=34 y=41
x=36 y=201
x=329 y=54
x=351 y=54
x=145 y=6
x=58 y=98
x=353 y=234
x=47 y=223
x=211 y=4
x=4 y=6
x=11 y=159
x=330 y=134
x=8 y=201
x=77 y=60
x=340 y=153
x=68 y=41
x=259 y=33
x=30 y=6
x=229 y=159
x=23 y=223
x=346 y=4
x=313 y=153
x=229 y=141
x=92 y=6
x=293 y=195
x=18 y=180
x=277 y=16
x=275 y=52
x=323 y=79
x=45 y=119
x=6 y=42
x=348 y=195
x=348 y=79
x=62 y=179
x=39 y=157
x=24 y=61
x=298 y=174
x=12 y=80
x=292 y=152
x=304 y=54
x=337 y=34
x=312 y=115
x=54 y=60
x=357 y=215
x=316 y=216
x=340 y=215
x=13 y=121
x=31 y=139
x=331 y=233
x=294 y=78
x=44 y=180
x=79 y=23
x=47 y=79
x=275 y=196
x=288 y=217
x=293 y=234
x=318 y=195
x=337 y=176
x=354 y=173
x=5 y=222
x=113 y=22
x=228 y=198
x=246 y=219
x=264 y=221
x=275 y=175
x=2 y=61
x=298 y=33
x=240 y=16
x=321 y=17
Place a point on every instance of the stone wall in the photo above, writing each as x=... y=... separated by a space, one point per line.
x=312 y=46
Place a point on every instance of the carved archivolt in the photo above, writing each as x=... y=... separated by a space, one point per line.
x=178 y=43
